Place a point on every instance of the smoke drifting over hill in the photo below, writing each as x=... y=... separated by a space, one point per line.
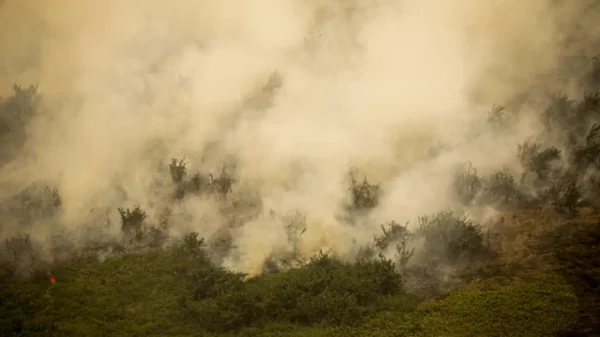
x=289 y=94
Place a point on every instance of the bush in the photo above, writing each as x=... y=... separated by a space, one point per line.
x=560 y=112
x=221 y=185
x=450 y=239
x=394 y=234
x=36 y=202
x=16 y=111
x=132 y=223
x=537 y=160
x=365 y=196
x=564 y=194
x=210 y=282
x=325 y=290
x=184 y=185
x=466 y=184
x=501 y=187
x=588 y=154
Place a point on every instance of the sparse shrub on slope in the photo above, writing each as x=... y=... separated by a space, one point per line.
x=18 y=258
x=221 y=185
x=501 y=188
x=15 y=112
x=560 y=112
x=537 y=161
x=364 y=196
x=133 y=223
x=37 y=202
x=295 y=226
x=564 y=194
x=185 y=184
x=588 y=154
x=594 y=75
x=466 y=184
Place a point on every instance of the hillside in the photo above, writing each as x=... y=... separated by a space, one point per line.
x=300 y=168
x=547 y=286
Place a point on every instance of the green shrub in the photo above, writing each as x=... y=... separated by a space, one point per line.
x=531 y=309
x=210 y=282
x=323 y=291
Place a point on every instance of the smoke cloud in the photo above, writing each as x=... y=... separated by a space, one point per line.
x=294 y=93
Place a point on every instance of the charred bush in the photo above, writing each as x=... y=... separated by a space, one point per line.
x=450 y=239
x=588 y=154
x=133 y=222
x=537 y=160
x=501 y=187
x=364 y=196
x=17 y=110
x=36 y=202
x=560 y=112
x=221 y=185
x=564 y=194
x=393 y=233
x=185 y=184
x=466 y=184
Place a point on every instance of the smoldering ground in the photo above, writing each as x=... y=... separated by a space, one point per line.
x=293 y=94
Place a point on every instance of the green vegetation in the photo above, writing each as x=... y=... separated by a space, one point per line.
x=177 y=292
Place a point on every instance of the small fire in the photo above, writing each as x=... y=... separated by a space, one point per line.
x=52 y=279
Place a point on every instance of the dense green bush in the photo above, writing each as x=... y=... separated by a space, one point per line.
x=323 y=291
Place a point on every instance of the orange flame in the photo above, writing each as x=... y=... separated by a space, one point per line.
x=52 y=279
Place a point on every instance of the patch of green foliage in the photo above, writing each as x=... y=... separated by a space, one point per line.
x=541 y=307
x=325 y=291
